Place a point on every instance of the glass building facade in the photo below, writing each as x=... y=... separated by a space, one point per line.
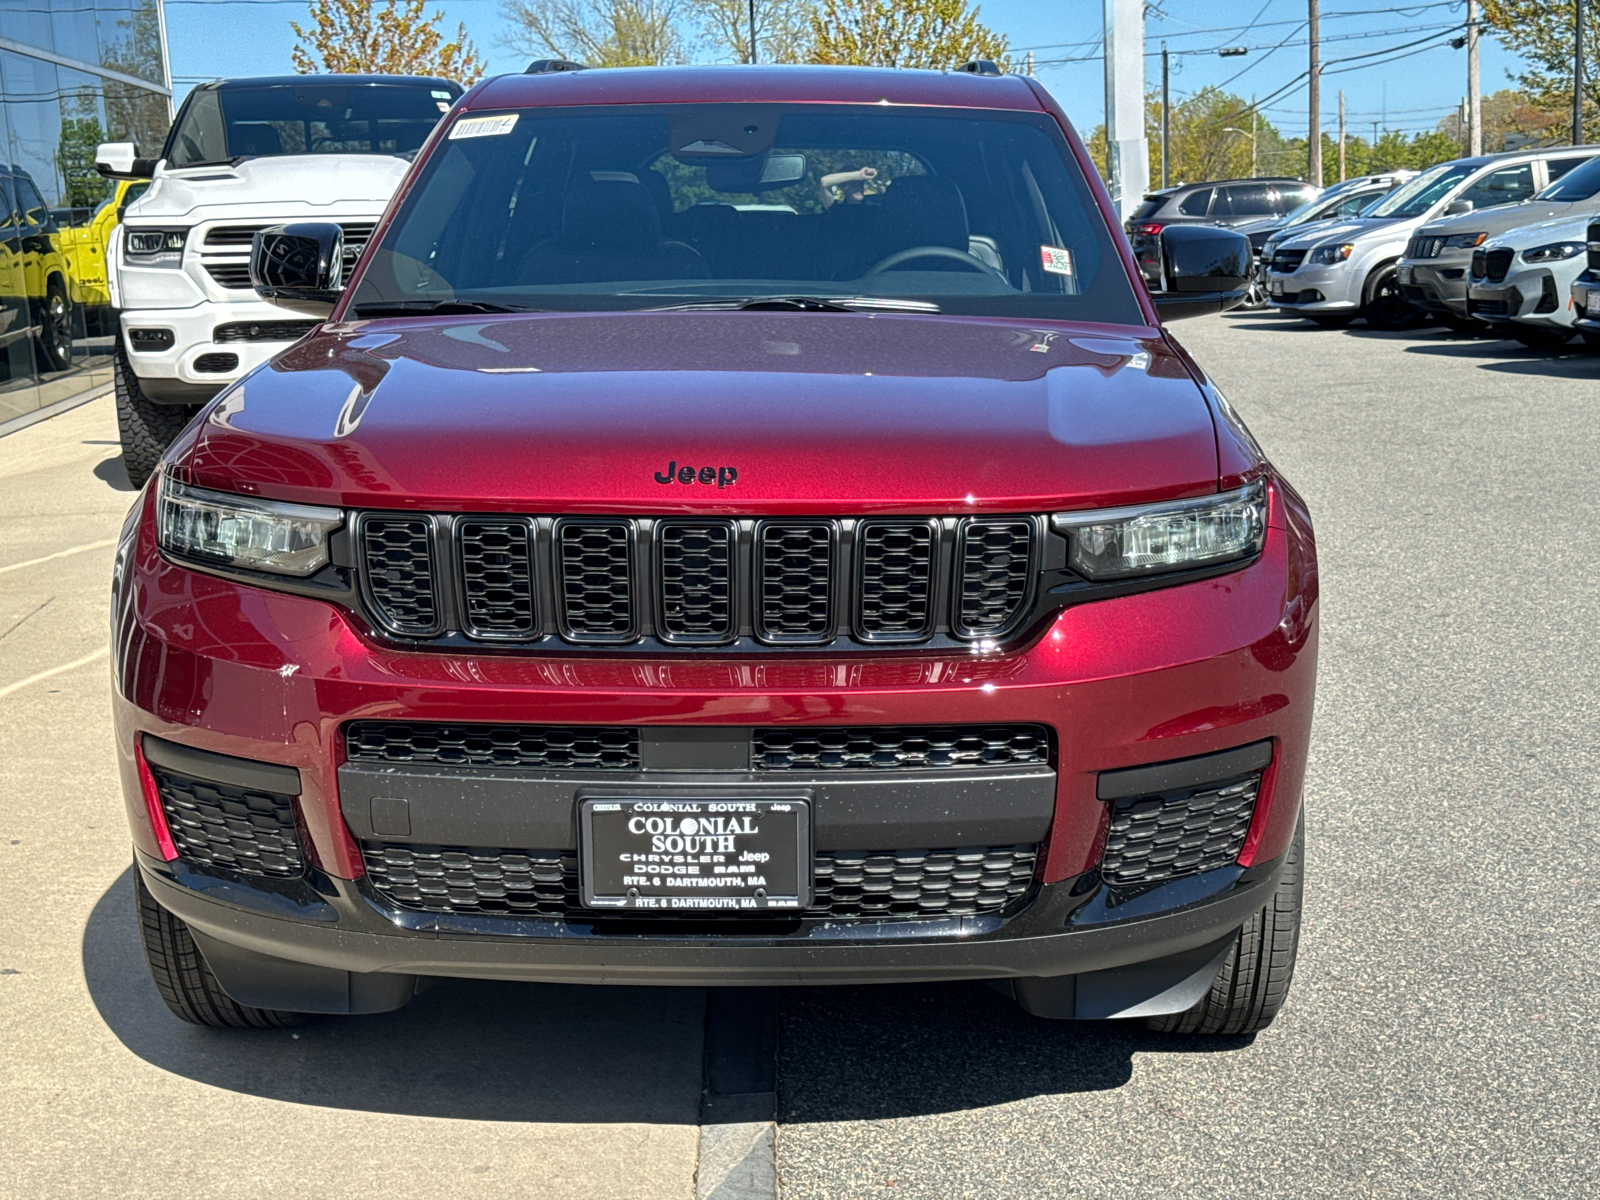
x=73 y=74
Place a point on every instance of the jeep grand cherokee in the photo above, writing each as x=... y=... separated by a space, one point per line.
x=664 y=565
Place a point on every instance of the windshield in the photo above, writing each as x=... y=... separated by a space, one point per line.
x=626 y=206
x=1422 y=193
x=222 y=124
x=1580 y=183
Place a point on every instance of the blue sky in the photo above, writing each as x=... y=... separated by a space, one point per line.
x=212 y=38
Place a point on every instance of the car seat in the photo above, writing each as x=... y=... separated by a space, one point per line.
x=610 y=229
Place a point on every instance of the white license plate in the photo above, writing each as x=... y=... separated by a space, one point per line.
x=1404 y=274
x=1275 y=287
x=1591 y=305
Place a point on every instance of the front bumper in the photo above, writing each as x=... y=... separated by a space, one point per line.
x=196 y=366
x=1330 y=289
x=1193 y=670
x=1532 y=296
x=1437 y=285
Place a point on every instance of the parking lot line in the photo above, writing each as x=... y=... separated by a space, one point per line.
x=34 y=562
x=53 y=671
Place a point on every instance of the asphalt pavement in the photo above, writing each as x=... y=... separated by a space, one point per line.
x=1441 y=1039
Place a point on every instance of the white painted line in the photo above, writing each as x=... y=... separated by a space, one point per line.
x=61 y=670
x=34 y=562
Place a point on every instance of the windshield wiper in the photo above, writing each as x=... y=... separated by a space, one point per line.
x=803 y=304
x=421 y=308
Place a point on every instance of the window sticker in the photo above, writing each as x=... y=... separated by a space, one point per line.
x=1056 y=260
x=471 y=127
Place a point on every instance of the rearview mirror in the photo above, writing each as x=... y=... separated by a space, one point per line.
x=119 y=160
x=757 y=174
x=299 y=267
x=1204 y=269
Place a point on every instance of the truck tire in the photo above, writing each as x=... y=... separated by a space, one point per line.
x=1254 y=981
x=1385 y=308
x=184 y=980
x=146 y=428
x=54 y=338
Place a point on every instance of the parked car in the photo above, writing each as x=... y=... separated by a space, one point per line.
x=1586 y=288
x=85 y=242
x=652 y=572
x=1519 y=282
x=242 y=154
x=1433 y=272
x=35 y=276
x=1230 y=203
x=1332 y=275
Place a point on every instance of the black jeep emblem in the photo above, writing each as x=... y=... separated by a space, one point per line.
x=721 y=476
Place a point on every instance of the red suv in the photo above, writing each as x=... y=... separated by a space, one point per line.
x=733 y=526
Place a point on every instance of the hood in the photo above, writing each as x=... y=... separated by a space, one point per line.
x=778 y=412
x=1317 y=232
x=1265 y=225
x=1500 y=218
x=297 y=183
x=1569 y=228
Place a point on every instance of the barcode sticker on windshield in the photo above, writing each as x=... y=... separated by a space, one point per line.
x=1056 y=260
x=483 y=126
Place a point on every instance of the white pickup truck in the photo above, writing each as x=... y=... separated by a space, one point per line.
x=243 y=154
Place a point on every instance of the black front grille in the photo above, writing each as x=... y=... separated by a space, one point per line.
x=1593 y=237
x=696 y=561
x=497 y=578
x=1479 y=265
x=1159 y=837
x=899 y=747
x=525 y=747
x=1549 y=300
x=262 y=331
x=595 y=566
x=234 y=275
x=232 y=235
x=216 y=364
x=1286 y=262
x=1486 y=308
x=397 y=562
x=1430 y=246
x=848 y=885
x=795 y=572
x=238 y=829
x=896 y=587
x=996 y=571
x=1497 y=263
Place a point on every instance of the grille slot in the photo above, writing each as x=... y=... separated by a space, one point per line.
x=895 y=588
x=795 y=572
x=1286 y=262
x=994 y=571
x=233 y=235
x=1480 y=266
x=216 y=363
x=1592 y=258
x=1160 y=837
x=1425 y=247
x=899 y=747
x=695 y=565
x=1497 y=263
x=527 y=747
x=262 y=331
x=496 y=565
x=239 y=829
x=235 y=275
x=397 y=554
x=849 y=885
x=595 y=568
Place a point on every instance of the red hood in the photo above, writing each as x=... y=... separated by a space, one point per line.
x=816 y=412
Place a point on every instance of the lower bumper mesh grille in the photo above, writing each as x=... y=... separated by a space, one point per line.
x=899 y=747
x=1160 y=837
x=862 y=885
x=219 y=825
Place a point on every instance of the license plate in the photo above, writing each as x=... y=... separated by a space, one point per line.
x=1275 y=287
x=1403 y=274
x=686 y=856
x=1591 y=304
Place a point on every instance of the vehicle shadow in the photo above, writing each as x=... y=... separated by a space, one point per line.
x=1513 y=358
x=114 y=472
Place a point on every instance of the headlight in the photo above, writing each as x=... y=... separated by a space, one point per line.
x=1554 y=252
x=1324 y=256
x=1466 y=241
x=1178 y=535
x=153 y=247
x=259 y=535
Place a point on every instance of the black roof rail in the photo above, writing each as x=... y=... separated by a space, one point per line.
x=552 y=66
x=980 y=66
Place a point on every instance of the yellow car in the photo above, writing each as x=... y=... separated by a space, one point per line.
x=85 y=242
x=35 y=276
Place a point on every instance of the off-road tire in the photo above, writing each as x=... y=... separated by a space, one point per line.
x=1535 y=337
x=54 y=338
x=185 y=981
x=1254 y=981
x=146 y=428
x=1384 y=307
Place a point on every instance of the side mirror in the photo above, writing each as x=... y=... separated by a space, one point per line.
x=299 y=267
x=118 y=160
x=1204 y=270
x=1458 y=207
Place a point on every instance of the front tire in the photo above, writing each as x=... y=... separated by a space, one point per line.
x=184 y=980
x=146 y=428
x=1254 y=981
x=1385 y=307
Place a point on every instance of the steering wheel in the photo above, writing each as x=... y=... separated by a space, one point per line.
x=960 y=256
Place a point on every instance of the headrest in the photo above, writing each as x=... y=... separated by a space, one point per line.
x=612 y=212
x=254 y=139
x=922 y=210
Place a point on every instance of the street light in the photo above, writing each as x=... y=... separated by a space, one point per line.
x=1252 y=137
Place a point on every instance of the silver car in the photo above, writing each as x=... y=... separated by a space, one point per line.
x=1519 y=282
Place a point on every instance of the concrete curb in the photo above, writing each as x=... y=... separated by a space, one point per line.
x=54 y=410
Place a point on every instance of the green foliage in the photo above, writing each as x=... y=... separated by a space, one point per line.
x=1541 y=33
x=902 y=33
x=1210 y=135
x=394 y=37
x=86 y=187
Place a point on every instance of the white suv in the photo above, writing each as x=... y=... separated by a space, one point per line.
x=242 y=155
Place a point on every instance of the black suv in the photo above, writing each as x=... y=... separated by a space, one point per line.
x=1229 y=202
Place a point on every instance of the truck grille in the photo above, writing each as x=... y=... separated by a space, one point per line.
x=233 y=275
x=238 y=829
x=1160 y=837
x=848 y=885
x=1430 y=246
x=612 y=581
x=225 y=251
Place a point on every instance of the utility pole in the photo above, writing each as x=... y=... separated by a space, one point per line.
x=1341 y=135
x=1577 y=75
x=752 y=32
x=1127 y=148
x=1314 y=137
x=1030 y=64
x=1474 y=99
x=1253 y=143
x=1166 y=115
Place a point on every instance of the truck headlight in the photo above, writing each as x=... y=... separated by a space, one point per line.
x=1326 y=256
x=240 y=531
x=1554 y=252
x=1177 y=535
x=153 y=247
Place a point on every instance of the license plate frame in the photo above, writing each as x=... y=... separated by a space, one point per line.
x=612 y=830
x=1274 y=287
x=1591 y=304
x=1403 y=275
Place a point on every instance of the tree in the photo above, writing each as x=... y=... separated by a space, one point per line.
x=389 y=38
x=1541 y=32
x=1511 y=114
x=783 y=29
x=902 y=33
x=1209 y=137
x=598 y=33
